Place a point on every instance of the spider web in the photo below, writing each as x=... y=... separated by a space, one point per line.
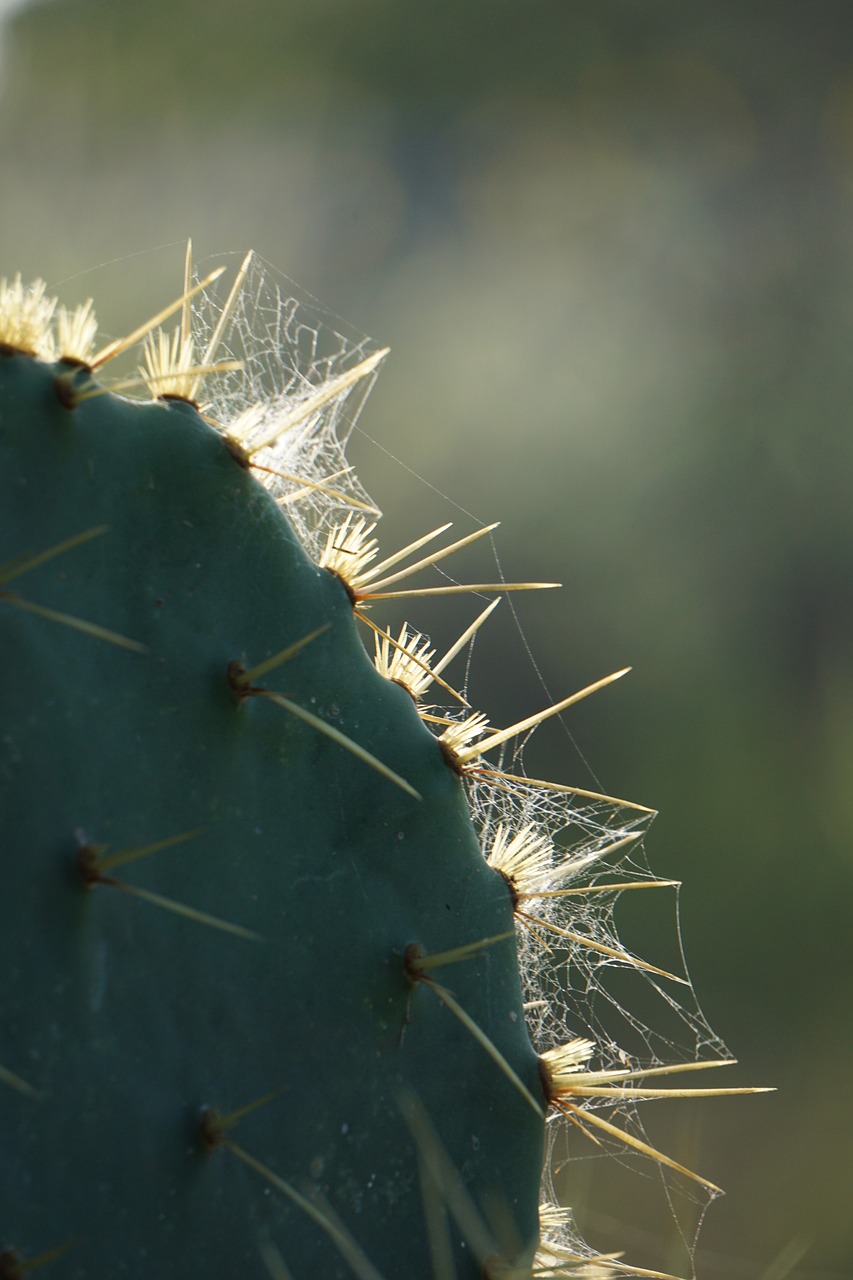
x=287 y=348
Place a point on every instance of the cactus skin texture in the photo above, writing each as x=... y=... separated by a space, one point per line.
x=177 y=1096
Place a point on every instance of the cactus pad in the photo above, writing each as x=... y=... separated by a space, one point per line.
x=261 y=1010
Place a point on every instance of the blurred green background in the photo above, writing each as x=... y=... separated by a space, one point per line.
x=611 y=246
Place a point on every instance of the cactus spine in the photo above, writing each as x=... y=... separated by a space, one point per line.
x=261 y=1008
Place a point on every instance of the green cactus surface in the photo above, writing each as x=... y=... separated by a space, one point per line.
x=261 y=1010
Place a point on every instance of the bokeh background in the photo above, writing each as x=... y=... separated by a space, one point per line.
x=611 y=246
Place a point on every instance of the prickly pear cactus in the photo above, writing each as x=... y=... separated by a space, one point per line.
x=261 y=1010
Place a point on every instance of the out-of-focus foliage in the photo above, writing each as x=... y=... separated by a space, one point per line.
x=612 y=248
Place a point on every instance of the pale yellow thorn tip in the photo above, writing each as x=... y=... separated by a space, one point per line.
x=515 y=780
x=602 y=948
x=466 y=636
x=25 y=317
x=621 y=1095
x=562 y=1063
x=76 y=332
x=407 y=661
x=186 y=314
x=531 y=722
x=169 y=364
x=123 y=344
x=316 y=486
x=621 y=1074
x=456 y=589
x=434 y=558
x=216 y=336
x=350 y=550
x=318 y=398
x=459 y=734
x=592 y=1118
x=407 y=550
x=525 y=859
x=616 y=886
